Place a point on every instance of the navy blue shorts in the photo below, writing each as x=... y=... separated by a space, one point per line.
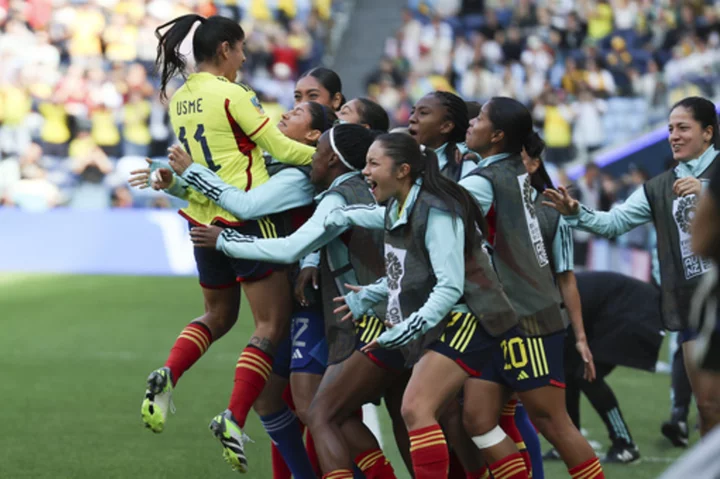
x=367 y=329
x=308 y=337
x=467 y=343
x=217 y=271
x=687 y=334
x=526 y=363
x=305 y=349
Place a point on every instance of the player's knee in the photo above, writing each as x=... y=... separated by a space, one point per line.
x=709 y=411
x=476 y=422
x=413 y=411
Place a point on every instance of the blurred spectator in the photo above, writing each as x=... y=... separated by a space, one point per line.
x=556 y=118
x=77 y=80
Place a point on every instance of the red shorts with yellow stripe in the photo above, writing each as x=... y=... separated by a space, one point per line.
x=526 y=363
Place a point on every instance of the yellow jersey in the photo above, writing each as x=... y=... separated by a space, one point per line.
x=223 y=126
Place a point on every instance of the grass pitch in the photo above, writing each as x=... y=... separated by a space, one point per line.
x=75 y=352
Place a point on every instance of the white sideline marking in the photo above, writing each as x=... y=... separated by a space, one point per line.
x=370 y=418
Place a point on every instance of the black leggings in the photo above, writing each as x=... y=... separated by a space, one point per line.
x=603 y=400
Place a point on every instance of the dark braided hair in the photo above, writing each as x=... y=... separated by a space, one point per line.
x=322 y=117
x=423 y=161
x=353 y=142
x=457 y=112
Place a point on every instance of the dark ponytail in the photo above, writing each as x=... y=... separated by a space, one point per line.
x=704 y=112
x=373 y=115
x=423 y=162
x=322 y=117
x=540 y=180
x=210 y=34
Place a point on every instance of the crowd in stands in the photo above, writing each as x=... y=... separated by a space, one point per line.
x=594 y=72
x=78 y=91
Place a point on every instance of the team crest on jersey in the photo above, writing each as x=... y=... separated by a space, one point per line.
x=257 y=105
x=527 y=196
x=685 y=212
x=394 y=270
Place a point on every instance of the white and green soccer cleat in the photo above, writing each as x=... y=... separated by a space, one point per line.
x=233 y=440
x=158 y=399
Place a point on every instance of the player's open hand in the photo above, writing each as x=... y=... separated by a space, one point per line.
x=205 y=236
x=687 y=186
x=370 y=346
x=180 y=160
x=584 y=349
x=561 y=200
x=307 y=276
x=344 y=308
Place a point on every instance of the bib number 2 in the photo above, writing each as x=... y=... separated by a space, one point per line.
x=199 y=136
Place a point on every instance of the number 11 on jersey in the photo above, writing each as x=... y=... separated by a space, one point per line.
x=199 y=136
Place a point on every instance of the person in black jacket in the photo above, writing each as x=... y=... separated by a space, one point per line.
x=624 y=328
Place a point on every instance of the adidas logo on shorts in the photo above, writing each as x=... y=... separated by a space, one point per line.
x=522 y=375
x=297 y=354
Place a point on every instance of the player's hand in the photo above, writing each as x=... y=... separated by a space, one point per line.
x=561 y=201
x=205 y=236
x=180 y=160
x=584 y=349
x=370 y=346
x=687 y=186
x=344 y=308
x=460 y=158
x=308 y=275
x=159 y=179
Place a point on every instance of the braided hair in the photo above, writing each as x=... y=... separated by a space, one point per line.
x=457 y=113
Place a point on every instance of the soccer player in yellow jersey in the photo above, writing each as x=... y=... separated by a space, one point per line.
x=223 y=126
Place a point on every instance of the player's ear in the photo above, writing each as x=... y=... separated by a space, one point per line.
x=313 y=136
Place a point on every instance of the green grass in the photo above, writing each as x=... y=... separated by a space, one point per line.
x=74 y=355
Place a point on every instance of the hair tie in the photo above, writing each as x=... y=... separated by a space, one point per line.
x=337 y=152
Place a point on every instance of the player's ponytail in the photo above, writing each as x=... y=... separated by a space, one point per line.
x=208 y=36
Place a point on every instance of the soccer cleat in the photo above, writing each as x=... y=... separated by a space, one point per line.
x=676 y=432
x=621 y=454
x=232 y=439
x=158 y=399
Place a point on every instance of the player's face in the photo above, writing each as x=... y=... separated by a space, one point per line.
x=235 y=57
x=480 y=133
x=320 y=161
x=350 y=112
x=309 y=89
x=296 y=123
x=688 y=140
x=381 y=173
x=428 y=122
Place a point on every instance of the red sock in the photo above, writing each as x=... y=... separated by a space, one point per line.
x=429 y=452
x=339 y=474
x=507 y=423
x=510 y=467
x=312 y=453
x=590 y=469
x=279 y=467
x=481 y=474
x=375 y=465
x=192 y=343
x=251 y=373
x=456 y=469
